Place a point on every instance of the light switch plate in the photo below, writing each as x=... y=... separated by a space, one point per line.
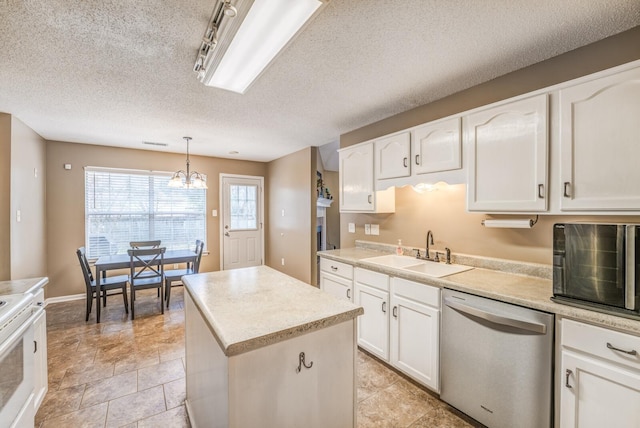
x=367 y=229
x=352 y=228
x=214 y=213
x=375 y=229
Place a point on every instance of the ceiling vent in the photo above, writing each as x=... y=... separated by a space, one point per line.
x=153 y=143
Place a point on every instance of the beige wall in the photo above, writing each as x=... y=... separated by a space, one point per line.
x=23 y=243
x=291 y=182
x=443 y=211
x=28 y=173
x=5 y=197
x=65 y=201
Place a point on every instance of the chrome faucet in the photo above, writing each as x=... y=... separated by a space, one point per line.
x=429 y=240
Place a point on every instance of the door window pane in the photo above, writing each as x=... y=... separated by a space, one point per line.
x=242 y=202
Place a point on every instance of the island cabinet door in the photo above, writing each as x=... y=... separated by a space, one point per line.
x=275 y=387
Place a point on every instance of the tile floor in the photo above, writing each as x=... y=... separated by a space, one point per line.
x=123 y=373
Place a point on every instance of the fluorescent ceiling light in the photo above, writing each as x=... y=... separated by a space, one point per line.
x=235 y=50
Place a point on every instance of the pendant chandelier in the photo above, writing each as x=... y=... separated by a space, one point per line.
x=188 y=179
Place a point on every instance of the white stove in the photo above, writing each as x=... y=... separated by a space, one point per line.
x=17 y=348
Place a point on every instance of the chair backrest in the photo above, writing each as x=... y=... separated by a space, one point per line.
x=145 y=244
x=86 y=269
x=146 y=262
x=199 y=250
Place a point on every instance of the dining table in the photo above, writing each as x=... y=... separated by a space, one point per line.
x=122 y=261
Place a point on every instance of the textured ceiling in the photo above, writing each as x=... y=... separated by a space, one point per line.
x=118 y=73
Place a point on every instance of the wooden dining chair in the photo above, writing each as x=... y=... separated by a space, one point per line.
x=106 y=283
x=175 y=275
x=146 y=271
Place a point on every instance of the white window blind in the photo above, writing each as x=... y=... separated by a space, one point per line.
x=129 y=205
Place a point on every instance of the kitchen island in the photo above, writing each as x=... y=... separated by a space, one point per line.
x=264 y=349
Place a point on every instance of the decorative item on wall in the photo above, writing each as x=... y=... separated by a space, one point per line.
x=321 y=191
x=188 y=179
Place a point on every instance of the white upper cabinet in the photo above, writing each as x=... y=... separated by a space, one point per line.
x=392 y=156
x=507 y=148
x=357 y=193
x=600 y=144
x=437 y=147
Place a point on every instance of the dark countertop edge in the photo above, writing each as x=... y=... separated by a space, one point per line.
x=261 y=341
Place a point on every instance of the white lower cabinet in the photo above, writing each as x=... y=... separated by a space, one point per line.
x=372 y=293
x=336 y=278
x=600 y=377
x=401 y=324
x=40 y=372
x=415 y=331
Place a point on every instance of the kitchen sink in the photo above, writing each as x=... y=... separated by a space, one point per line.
x=392 y=260
x=437 y=270
x=429 y=268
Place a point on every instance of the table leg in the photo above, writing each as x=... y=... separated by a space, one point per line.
x=98 y=294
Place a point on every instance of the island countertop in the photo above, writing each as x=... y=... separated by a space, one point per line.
x=250 y=308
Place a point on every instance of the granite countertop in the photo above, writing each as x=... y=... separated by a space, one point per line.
x=250 y=308
x=22 y=286
x=524 y=290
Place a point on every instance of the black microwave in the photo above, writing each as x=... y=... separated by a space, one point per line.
x=595 y=265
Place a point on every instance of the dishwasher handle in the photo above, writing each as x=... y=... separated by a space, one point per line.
x=495 y=318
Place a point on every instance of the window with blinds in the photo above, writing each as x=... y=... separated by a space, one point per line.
x=129 y=205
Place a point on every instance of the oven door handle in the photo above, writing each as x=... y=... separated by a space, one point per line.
x=533 y=327
x=630 y=268
x=7 y=344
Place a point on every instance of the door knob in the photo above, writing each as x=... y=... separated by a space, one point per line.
x=226 y=234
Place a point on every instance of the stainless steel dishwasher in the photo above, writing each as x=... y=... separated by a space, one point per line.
x=497 y=361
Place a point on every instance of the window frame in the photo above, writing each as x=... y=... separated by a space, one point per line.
x=153 y=215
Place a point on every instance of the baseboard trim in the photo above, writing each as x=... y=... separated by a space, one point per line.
x=68 y=298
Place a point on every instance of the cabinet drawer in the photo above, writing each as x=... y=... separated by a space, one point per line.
x=600 y=342
x=373 y=279
x=415 y=291
x=337 y=268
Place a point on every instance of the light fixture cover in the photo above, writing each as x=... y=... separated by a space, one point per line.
x=187 y=179
x=247 y=43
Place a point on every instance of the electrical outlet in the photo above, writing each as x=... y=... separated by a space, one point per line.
x=283 y=212
x=352 y=228
x=367 y=229
x=282 y=261
x=175 y=265
x=214 y=213
x=18 y=216
x=375 y=229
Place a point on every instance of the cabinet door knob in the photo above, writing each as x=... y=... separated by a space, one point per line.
x=404 y=162
x=566 y=379
x=567 y=185
x=541 y=191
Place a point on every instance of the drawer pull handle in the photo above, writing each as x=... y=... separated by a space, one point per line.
x=632 y=352
x=35 y=346
x=334 y=268
x=404 y=162
x=395 y=312
x=348 y=293
x=566 y=189
x=384 y=307
x=369 y=198
x=566 y=379
x=541 y=191
x=417 y=159
x=302 y=363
